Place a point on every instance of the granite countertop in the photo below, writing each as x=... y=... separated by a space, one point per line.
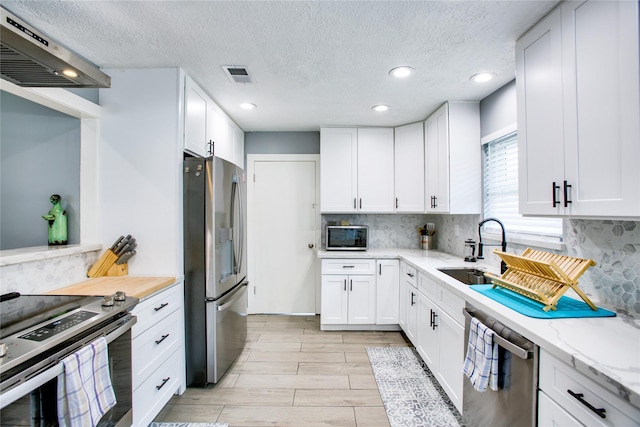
x=141 y=287
x=607 y=349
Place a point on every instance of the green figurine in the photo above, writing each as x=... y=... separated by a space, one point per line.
x=57 y=218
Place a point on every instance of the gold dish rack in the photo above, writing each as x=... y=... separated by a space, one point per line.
x=542 y=276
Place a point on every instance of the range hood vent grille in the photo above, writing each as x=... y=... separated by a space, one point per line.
x=30 y=59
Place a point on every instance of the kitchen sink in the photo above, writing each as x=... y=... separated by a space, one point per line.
x=467 y=275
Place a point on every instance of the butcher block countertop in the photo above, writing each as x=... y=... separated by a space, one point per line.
x=135 y=286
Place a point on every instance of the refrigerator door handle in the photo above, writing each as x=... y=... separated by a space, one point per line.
x=234 y=187
x=242 y=225
x=239 y=293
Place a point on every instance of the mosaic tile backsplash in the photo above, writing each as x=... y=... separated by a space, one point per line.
x=614 y=282
x=47 y=274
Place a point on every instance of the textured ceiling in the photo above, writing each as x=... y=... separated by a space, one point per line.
x=314 y=63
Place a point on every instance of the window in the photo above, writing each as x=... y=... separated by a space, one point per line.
x=500 y=191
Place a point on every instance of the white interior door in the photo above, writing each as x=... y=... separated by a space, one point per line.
x=282 y=227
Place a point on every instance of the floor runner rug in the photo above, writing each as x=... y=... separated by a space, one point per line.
x=188 y=425
x=411 y=395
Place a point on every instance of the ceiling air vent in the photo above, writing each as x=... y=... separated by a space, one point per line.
x=237 y=74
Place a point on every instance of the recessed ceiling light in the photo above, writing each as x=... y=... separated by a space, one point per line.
x=380 y=108
x=70 y=73
x=482 y=77
x=248 y=106
x=401 y=72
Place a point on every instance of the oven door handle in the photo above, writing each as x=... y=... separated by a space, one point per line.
x=41 y=378
x=516 y=350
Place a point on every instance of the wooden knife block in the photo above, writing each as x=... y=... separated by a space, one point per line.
x=118 y=270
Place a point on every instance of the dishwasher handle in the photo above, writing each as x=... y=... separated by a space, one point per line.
x=516 y=350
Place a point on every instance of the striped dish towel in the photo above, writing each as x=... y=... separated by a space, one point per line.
x=481 y=361
x=85 y=392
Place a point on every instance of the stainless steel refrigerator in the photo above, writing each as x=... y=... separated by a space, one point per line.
x=215 y=267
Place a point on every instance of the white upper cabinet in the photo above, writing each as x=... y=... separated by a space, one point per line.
x=207 y=129
x=356 y=170
x=220 y=133
x=238 y=146
x=195 y=118
x=578 y=108
x=375 y=170
x=452 y=159
x=409 y=168
x=338 y=169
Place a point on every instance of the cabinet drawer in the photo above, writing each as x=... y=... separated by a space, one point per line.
x=152 y=348
x=551 y=414
x=409 y=274
x=151 y=396
x=451 y=303
x=348 y=266
x=558 y=378
x=154 y=309
x=428 y=286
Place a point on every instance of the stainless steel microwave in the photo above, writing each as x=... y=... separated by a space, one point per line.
x=347 y=238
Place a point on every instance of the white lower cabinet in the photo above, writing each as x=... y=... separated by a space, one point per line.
x=157 y=350
x=388 y=291
x=568 y=397
x=348 y=292
x=409 y=300
x=440 y=336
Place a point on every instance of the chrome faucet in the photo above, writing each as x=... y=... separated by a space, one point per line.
x=503 y=265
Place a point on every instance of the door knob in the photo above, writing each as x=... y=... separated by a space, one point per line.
x=310 y=245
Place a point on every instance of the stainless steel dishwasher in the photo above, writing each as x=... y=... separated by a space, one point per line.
x=515 y=402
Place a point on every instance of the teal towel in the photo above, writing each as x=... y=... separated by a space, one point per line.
x=566 y=307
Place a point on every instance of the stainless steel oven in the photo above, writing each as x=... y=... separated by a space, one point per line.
x=38 y=332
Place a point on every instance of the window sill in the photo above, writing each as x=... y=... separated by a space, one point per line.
x=541 y=242
x=37 y=253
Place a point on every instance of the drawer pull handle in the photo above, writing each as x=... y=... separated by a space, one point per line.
x=164 y=337
x=161 y=306
x=348 y=266
x=579 y=396
x=410 y=274
x=164 y=381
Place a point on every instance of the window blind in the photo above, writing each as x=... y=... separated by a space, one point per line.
x=500 y=191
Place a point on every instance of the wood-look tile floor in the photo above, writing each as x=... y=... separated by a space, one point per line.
x=292 y=374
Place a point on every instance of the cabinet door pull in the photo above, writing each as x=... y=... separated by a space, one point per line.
x=554 y=188
x=161 y=306
x=354 y=204
x=567 y=186
x=164 y=337
x=579 y=396
x=380 y=269
x=435 y=202
x=431 y=318
x=345 y=285
x=360 y=203
x=164 y=381
x=210 y=147
x=435 y=316
x=412 y=298
x=396 y=203
x=351 y=285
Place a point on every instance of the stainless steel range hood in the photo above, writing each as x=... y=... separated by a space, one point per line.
x=30 y=58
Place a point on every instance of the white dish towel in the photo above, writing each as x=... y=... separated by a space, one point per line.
x=85 y=392
x=481 y=361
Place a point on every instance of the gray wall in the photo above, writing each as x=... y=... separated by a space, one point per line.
x=499 y=109
x=40 y=156
x=282 y=143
